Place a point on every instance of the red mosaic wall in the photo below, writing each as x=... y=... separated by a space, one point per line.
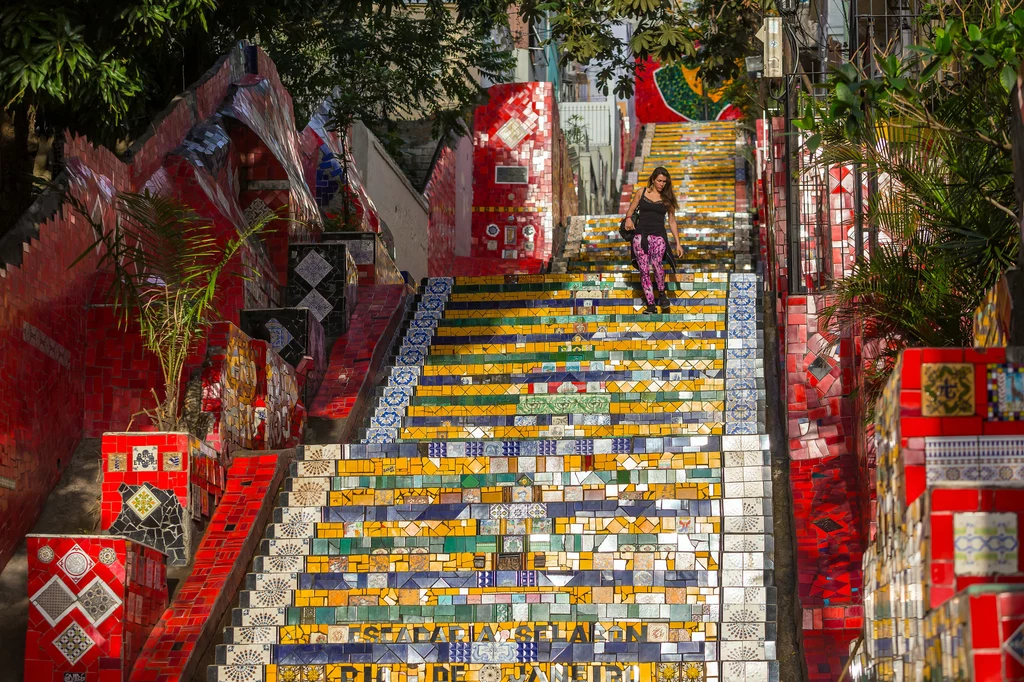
x=440 y=196
x=185 y=630
x=832 y=504
x=93 y=600
x=54 y=323
x=518 y=129
x=43 y=356
x=50 y=330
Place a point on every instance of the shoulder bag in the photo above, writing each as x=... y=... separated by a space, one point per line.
x=627 y=235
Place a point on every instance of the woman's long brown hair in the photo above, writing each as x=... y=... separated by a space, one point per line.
x=668 y=195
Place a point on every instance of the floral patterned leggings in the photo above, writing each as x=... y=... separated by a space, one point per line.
x=654 y=256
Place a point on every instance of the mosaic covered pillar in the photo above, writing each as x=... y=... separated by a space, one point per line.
x=146 y=493
x=276 y=397
x=950 y=448
x=92 y=602
x=323 y=278
x=229 y=390
x=363 y=248
x=294 y=334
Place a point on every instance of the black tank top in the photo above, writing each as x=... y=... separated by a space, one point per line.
x=652 y=217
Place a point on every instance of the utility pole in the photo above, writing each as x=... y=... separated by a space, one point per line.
x=1015 y=277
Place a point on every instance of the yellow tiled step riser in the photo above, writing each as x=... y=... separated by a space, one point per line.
x=569 y=346
x=565 y=311
x=715 y=167
x=696 y=278
x=717 y=240
x=722 y=260
x=625 y=595
x=413 y=433
x=699 y=218
x=698 y=234
x=321 y=598
x=600 y=526
x=540 y=560
x=466 y=369
x=550 y=561
x=709 y=243
x=400 y=562
x=497 y=494
x=680 y=295
x=622 y=252
x=621 y=257
x=584 y=327
x=476 y=672
x=713 y=227
x=638 y=407
x=536 y=330
x=462 y=466
x=605 y=387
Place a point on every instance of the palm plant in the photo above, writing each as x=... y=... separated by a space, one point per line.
x=932 y=131
x=166 y=262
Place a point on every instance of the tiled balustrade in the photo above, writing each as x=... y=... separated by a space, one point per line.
x=93 y=600
x=179 y=638
x=950 y=448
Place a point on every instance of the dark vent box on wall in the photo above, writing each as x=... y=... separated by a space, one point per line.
x=293 y=333
x=323 y=278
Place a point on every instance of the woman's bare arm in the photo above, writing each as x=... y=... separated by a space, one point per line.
x=674 y=227
x=632 y=207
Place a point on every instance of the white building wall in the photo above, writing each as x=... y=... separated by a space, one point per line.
x=403 y=208
x=464 y=196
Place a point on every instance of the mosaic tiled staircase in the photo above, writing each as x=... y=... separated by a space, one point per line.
x=552 y=487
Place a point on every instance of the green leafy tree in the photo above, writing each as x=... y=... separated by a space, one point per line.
x=104 y=69
x=82 y=65
x=385 y=67
x=933 y=129
x=166 y=263
x=709 y=35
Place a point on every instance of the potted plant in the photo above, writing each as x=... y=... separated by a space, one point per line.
x=166 y=262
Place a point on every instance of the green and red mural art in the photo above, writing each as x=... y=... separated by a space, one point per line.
x=672 y=93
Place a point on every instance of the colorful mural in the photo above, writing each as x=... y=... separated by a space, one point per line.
x=673 y=93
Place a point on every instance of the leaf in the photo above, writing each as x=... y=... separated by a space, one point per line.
x=986 y=59
x=1007 y=77
x=845 y=95
x=813 y=142
x=974 y=33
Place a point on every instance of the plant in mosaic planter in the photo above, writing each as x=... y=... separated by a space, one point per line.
x=166 y=263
